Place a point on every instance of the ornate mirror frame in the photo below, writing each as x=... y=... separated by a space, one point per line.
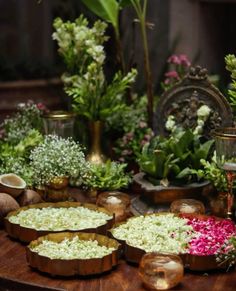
x=184 y=99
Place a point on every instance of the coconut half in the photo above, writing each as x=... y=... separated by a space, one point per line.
x=12 y=184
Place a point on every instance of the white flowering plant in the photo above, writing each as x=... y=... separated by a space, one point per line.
x=81 y=48
x=57 y=157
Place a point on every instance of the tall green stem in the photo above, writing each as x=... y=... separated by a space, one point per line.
x=141 y=13
x=120 y=57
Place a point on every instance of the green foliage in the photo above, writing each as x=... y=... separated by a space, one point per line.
x=107 y=176
x=108 y=10
x=15 y=158
x=174 y=158
x=102 y=102
x=18 y=126
x=230 y=61
x=132 y=121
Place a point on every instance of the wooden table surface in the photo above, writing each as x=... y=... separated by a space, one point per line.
x=15 y=274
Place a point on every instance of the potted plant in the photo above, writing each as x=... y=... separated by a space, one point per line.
x=93 y=98
x=169 y=164
x=53 y=162
x=108 y=176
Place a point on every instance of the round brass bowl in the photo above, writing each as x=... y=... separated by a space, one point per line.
x=161 y=194
x=83 y=267
x=192 y=262
x=28 y=234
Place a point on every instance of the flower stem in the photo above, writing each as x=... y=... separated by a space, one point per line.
x=141 y=13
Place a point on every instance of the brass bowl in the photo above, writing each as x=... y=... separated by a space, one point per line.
x=161 y=194
x=83 y=267
x=192 y=262
x=26 y=234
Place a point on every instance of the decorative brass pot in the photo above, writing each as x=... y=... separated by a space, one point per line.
x=161 y=194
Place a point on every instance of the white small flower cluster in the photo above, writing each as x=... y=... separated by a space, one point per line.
x=156 y=233
x=60 y=219
x=202 y=115
x=57 y=157
x=80 y=45
x=72 y=249
x=170 y=123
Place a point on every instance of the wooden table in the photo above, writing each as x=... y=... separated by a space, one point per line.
x=15 y=274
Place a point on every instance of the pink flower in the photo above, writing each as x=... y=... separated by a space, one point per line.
x=42 y=107
x=174 y=59
x=172 y=75
x=184 y=61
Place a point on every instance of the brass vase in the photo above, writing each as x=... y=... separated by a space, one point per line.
x=95 y=154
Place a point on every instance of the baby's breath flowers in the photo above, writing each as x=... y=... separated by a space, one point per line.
x=57 y=157
x=60 y=219
x=72 y=249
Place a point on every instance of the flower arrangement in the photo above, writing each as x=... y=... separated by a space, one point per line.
x=57 y=157
x=107 y=176
x=82 y=50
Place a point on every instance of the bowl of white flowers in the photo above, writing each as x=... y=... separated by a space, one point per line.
x=30 y=222
x=68 y=254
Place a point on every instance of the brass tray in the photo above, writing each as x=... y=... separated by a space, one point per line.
x=83 y=267
x=191 y=262
x=26 y=234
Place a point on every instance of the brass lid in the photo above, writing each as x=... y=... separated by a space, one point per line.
x=60 y=114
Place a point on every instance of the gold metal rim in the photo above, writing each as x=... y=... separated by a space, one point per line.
x=59 y=115
x=222 y=133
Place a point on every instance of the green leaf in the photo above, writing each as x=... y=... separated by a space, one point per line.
x=124 y=3
x=106 y=9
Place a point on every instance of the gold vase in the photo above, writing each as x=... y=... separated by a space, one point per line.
x=95 y=154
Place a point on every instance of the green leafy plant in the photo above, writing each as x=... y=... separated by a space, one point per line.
x=57 y=157
x=174 y=159
x=107 y=176
x=20 y=134
x=27 y=117
x=230 y=61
